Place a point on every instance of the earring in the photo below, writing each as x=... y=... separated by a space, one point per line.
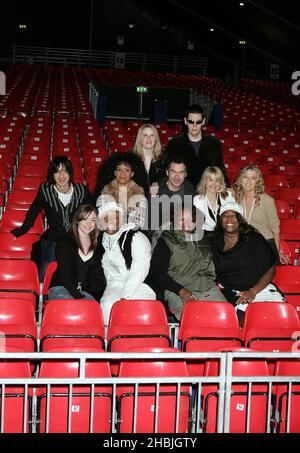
x=221 y=189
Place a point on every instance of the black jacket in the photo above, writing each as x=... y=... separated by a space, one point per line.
x=210 y=154
x=58 y=217
x=67 y=272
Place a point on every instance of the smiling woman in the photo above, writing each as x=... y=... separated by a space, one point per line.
x=77 y=254
x=244 y=260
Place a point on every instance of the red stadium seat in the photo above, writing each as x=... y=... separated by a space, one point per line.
x=284 y=210
x=27 y=183
x=14 y=218
x=13 y=415
x=288 y=396
x=167 y=401
x=241 y=398
x=290 y=229
x=20 y=199
x=288 y=279
x=206 y=326
x=136 y=323
x=19 y=276
x=72 y=322
x=269 y=326
x=83 y=397
x=16 y=248
x=17 y=324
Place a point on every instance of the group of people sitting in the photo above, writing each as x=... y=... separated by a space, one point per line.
x=153 y=229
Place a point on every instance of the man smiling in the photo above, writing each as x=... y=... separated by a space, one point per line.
x=199 y=150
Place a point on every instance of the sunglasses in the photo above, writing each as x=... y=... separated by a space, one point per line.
x=195 y=122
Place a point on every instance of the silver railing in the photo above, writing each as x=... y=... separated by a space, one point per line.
x=42 y=401
x=108 y=59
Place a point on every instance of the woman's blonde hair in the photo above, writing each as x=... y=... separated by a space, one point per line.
x=259 y=187
x=211 y=171
x=138 y=148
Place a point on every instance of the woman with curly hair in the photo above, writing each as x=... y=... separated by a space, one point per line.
x=259 y=208
x=148 y=147
x=123 y=178
x=245 y=262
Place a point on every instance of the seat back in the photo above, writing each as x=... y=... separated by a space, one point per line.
x=288 y=398
x=83 y=396
x=206 y=326
x=12 y=399
x=17 y=324
x=269 y=326
x=16 y=248
x=288 y=279
x=168 y=408
x=240 y=396
x=137 y=323
x=14 y=218
x=72 y=322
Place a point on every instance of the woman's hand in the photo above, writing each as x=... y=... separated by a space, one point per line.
x=284 y=259
x=186 y=295
x=246 y=296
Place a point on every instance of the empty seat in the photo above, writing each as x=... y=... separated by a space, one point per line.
x=72 y=322
x=206 y=326
x=14 y=408
x=14 y=218
x=17 y=324
x=16 y=248
x=288 y=279
x=84 y=398
x=242 y=396
x=270 y=326
x=20 y=199
x=136 y=323
x=170 y=402
x=19 y=276
x=288 y=396
x=290 y=229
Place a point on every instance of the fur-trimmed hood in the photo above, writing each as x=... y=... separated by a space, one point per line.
x=122 y=195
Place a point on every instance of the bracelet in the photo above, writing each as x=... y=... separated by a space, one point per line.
x=253 y=290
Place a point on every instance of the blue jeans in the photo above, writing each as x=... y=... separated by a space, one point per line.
x=60 y=292
x=47 y=256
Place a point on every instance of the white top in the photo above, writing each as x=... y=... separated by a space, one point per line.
x=115 y=270
x=210 y=219
x=65 y=198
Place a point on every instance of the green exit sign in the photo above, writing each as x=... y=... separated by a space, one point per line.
x=142 y=89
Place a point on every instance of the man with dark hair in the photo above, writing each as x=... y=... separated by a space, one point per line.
x=172 y=190
x=199 y=150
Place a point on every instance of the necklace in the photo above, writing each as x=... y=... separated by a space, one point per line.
x=248 y=218
x=232 y=241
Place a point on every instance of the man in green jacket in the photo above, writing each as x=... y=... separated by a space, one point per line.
x=182 y=266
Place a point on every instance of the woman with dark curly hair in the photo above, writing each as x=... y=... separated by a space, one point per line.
x=123 y=178
x=245 y=262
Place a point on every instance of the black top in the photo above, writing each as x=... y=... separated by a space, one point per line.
x=156 y=171
x=209 y=154
x=243 y=265
x=71 y=269
x=58 y=216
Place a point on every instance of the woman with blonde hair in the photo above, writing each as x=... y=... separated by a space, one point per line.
x=258 y=207
x=148 y=147
x=211 y=195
